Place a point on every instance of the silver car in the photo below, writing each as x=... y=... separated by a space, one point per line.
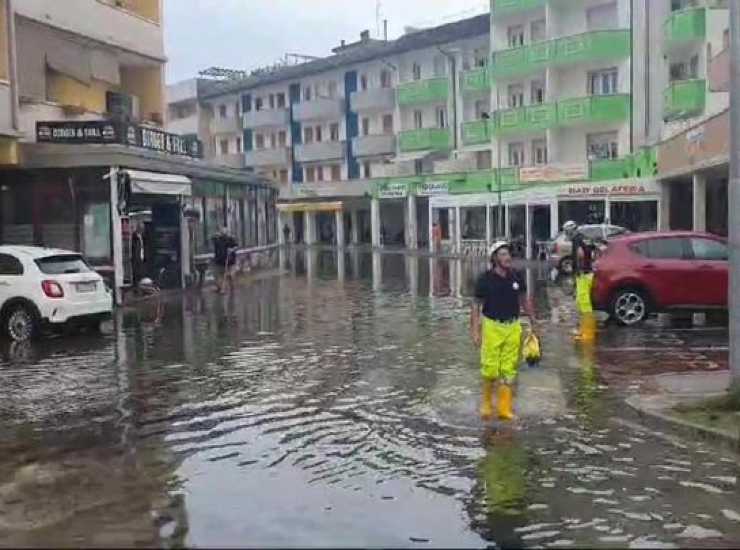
x=561 y=248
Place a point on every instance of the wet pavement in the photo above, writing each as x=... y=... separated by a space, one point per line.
x=336 y=405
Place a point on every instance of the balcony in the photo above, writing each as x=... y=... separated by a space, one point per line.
x=228 y=125
x=267 y=157
x=372 y=146
x=424 y=91
x=232 y=161
x=685 y=26
x=425 y=139
x=596 y=109
x=319 y=109
x=325 y=150
x=571 y=50
x=266 y=118
x=475 y=81
x=534 y=118
x=476 y=132
x=504 y=8
x=684 y=99
x=375 y=99
x=612 y=169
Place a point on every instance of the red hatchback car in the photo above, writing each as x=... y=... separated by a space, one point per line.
x=644 y=273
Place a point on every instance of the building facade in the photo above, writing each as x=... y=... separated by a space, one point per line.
x=506 y=124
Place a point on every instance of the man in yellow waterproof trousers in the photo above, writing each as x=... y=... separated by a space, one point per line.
x=500 y=294
x=582 y=259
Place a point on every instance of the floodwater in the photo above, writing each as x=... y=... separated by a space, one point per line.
x=336 y=405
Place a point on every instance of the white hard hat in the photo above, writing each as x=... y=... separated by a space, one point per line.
x=570 y=225
x=497 y=245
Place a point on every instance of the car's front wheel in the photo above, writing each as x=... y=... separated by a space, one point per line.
x=630 y=307
x=20 y=323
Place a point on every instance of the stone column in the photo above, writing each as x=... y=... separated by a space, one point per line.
x=528 y=240
x=554 y=221
x=355 y=233
x=700 y=202
x=458 y=232
x=375 y=221
x=339 y=229
x=664 y=214
x=281 y=223
x=309 y=229
x=377 y=271
x=411 y=230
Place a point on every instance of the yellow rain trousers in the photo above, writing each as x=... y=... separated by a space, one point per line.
x=584 y=282
x=500 y=350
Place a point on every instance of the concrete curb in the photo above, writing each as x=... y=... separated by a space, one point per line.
x=660 y=419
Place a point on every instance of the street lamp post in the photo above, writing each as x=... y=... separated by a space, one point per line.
x=734 y=195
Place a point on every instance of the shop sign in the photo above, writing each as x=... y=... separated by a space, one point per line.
x=607 y=190
x=430 y=188
x=108 y=132
x=554 y=173
x=393 y=191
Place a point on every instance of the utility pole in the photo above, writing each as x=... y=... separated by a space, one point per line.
x=734 y=194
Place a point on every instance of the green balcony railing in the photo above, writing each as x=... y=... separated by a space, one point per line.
x=580 y=48
x=594 y=109
x=425 y=139
x=526 y=119
x=510 y=7
x=476 y=132
x=476 y=80
x=685 y=26
x=423 y=91
x=612 y=169
x=684 y=99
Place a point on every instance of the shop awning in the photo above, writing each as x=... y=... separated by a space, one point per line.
x=154 y=183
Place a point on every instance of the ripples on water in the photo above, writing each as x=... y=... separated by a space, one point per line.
x=305 y=410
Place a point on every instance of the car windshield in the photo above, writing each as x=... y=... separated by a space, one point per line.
x=63 y=264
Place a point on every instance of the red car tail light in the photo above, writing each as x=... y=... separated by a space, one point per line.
x=52 y=289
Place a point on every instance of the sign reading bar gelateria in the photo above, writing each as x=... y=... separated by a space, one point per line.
x=109 y=132
x=554 y=172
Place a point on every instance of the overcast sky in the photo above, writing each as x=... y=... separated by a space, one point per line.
x=246 y=34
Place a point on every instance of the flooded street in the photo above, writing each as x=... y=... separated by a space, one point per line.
x=337 y=406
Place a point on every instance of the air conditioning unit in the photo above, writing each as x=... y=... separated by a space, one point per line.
x=122 y=107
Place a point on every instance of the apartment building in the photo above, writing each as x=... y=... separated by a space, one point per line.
x=83 y=154
x=504 y=124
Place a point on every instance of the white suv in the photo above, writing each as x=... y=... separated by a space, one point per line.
x=43 y=286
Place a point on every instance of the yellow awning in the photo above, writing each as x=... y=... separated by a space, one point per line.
x=310 y=206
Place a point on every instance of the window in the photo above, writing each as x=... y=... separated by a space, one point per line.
x=418 y=120
x=224 y=146
x=683 y=70
x=725 y=39
x=271 y=101
x=10 y=265
x=307 y=93
x=516 y=96
x=336 y=172
x=310 y=174
x=602 y=82
x=538 y=31
x=334 y=131
x=363 y=82
x=333 y=89
x=480 y=57
x=258 y=104
x=602 y=17
x=441 y=116
x=317 y=134
x=418 y=167
x=366 y=126
x=308 y=135
x=282 y=138
x=387 y=124
x=238 y=145
x=483 y=160
x=694 y=67
x=283 y=176
x=515 y=36
x=440 y=65
x=481 y=108
x=281 y=100
x=319 y=173
x=237 y=109
x=516 y=154
x=539 y=151
x=222 y=111
x=366 y=169
x=707 y=249
x=538 y=92
x=671 y=248
x=273 y=141
x=416 y=71
x=385 y=79
x=602 y=146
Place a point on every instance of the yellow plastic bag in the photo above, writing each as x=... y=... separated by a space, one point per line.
x=531 y=349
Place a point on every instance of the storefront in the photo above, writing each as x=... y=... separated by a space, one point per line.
x=98 y=197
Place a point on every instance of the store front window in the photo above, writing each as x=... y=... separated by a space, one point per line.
x=473 y=223
x=16 y=216
x=582 y=212
x=214 y=210
x=635 y=215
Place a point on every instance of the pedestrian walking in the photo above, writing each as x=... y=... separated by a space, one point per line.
x=500 y=295
x=582 y=260
x=224 y=258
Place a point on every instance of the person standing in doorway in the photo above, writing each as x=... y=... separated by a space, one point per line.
x=137 y=254
x=224 y=255
x=500 y=295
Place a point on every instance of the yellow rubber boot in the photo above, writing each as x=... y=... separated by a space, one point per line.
x=486 y=400
x=587 y=329
x=505 y=402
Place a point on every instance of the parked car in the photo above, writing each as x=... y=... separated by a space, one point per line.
x=46 y=287
x=644 y=273
x=561 y=248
